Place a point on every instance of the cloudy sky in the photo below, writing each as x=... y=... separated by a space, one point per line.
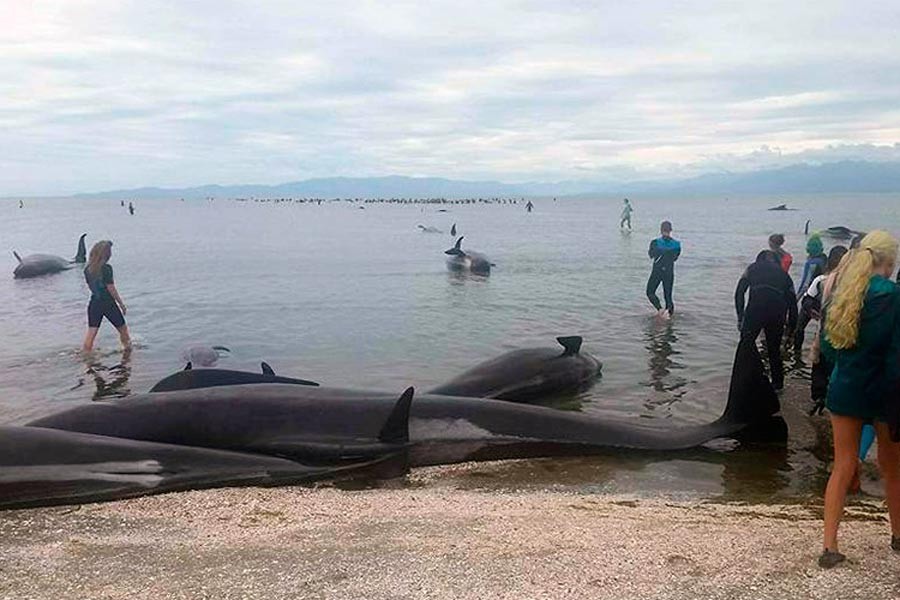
x=109 y=93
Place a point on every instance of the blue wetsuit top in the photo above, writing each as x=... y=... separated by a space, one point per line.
x=664 y=252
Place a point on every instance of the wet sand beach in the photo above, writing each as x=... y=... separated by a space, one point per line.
x=464 y=531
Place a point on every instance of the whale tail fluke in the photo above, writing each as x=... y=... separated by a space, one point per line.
x=751 y=397
x=396 y=428
x=456 y=250
x=571 y=344
x=266 y=369
x=16 y=254
x=81 y=253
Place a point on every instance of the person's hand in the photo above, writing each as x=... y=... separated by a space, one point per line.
x=818 y=408
x=124 y=309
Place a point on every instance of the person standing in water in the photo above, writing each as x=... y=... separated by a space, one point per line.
x=862 y=337
x=529 y=207
x=130 y=208
x=664 y=251
x=105 y=298
x=771 y=298
x=776 y=243
x=626 y=215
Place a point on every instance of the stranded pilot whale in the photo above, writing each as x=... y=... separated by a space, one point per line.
x=191 y=379
x=35 y=265
x=294 y=421
x=472 y=262
x=45 y=467
x=529 y=374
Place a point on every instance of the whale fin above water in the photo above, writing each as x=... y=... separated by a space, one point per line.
x=396 y=428
x=189 y=366
x=81 y=253
x=453 y=230
x=571 y=344
x=18 y=258
x=266 y=369
x=456 y=250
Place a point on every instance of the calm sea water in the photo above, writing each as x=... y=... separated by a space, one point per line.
x=361 y=298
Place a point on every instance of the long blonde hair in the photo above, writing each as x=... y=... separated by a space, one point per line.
x=842 y=320
x=100 y=254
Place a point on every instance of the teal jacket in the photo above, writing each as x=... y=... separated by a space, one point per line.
x=865 y=377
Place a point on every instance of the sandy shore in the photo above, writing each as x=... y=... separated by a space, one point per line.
x=435 y=542
x=491 y=530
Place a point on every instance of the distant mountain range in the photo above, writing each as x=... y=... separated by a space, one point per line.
x=844 y=176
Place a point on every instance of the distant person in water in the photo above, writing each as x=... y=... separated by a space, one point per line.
x=811 y=303
x=121 y=203
x=776 y=245
x=664 y=251
x=771 y=298
x=105 y=299
x=21 y=204
x=626 y=215
x=130 y=208
x=530 y=206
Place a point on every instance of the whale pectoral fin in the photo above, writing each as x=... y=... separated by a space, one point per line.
x=188 y=366
x=396 y=428
x=571 y=344
x=266 y=369
x=219 y=349
x=16 y=254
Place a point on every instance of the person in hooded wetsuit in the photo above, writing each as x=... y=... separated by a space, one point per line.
x=771 y=298
x=626 y=215
x=664 y=251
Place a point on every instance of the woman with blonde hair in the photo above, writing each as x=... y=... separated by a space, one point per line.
x=105 y=299
x=862 y=338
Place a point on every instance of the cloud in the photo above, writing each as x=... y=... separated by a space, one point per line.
x=106 y=94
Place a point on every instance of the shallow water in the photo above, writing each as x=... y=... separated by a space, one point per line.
x=361 y=298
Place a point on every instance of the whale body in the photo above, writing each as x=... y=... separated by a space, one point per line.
x=35 y=265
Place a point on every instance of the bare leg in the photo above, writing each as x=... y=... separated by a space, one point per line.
x=124 y=336
x=846 y=432
x=889 y=464
x=89 y=338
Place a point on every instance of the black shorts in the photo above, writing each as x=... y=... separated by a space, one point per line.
x=97 y=309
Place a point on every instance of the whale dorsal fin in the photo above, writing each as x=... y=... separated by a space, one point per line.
x=453 y=229
x=571 y=344
x=189 y=366
x=396 y=428
x=16 y=254
x=81 y=253
x=266 y=369
x=456 y=250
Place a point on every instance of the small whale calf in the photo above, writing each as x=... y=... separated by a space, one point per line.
x=462 y=261
x=429 y=229
x=203 y=356
x=35 y=265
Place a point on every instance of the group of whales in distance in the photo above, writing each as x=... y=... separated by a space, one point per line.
x=205 y=428
x=35 y=265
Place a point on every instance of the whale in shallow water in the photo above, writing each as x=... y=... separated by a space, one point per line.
x=429 y=229
x=35 y=265
x=326 y=424
x=191 y=379
x=462 y=261
x=527 y=375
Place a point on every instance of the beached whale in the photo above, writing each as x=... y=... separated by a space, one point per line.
x=44 y=467
x=467 y=261
x=191 y=379
x=35 y=265
x=297 y=421
x=527 y=375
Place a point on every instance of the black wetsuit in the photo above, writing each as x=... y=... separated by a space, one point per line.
x=102 y=303
x=771 y=298
x=664 y=252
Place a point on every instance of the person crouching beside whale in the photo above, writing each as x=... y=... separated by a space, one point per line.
x=105 y=299
x=664 y=251
x=862 y=337
x=771 y=298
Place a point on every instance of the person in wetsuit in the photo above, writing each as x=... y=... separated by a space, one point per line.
x=530 y=206
x=776 y=245
x=664 y=251
x=626 y=215
x=771 y=298
x=105 y=300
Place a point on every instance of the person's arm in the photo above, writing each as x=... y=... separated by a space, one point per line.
x=111 y=288
x=676 y=253
x=654 y=251
x=739 y=294
x=892 y=373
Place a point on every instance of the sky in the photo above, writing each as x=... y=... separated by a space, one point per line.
x=107 y=94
